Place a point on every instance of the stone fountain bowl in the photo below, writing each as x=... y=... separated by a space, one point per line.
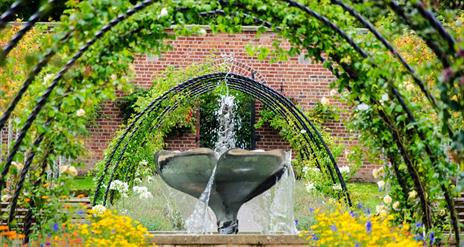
x=240 y=176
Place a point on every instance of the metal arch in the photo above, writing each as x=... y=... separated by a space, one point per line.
x=30 y=158
x=54 y=83
x=9 y=12
x=2 y=177
x=43 y=99
x=268 y=101
x=398 y=10
x=430 y=17
x=121 y=153
x=231 y=78
x=367 y=24
x=298 y=113
x=323 y=19
x=148 y=109
x=152 y=104
x=35 y=71
x=411 y=117
x=26 y=28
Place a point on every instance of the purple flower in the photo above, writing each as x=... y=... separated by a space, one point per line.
x=368 y=226
x=80 y=212
x=333 y=227
x=432 y=238
x=419 y=224
x=447 y=74
x=56 y=227
x=314 y=237
x=311 y=210
x=360 y=205
x=296 y=222
x=460 y=53
x=353 y=214
x=356 y=245
x=419 y=237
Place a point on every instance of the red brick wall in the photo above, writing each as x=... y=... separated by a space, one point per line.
x=297 y=78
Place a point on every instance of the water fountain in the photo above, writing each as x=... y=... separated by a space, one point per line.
x=223 y=179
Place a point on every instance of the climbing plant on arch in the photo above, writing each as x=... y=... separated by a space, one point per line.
x=152 y=116
x=93 y=35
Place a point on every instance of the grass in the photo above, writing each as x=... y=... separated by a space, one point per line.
x=161 y=213
x=366 y=194
x=82 y=185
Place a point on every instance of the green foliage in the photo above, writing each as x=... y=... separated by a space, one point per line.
x=411 y=134
x=143 y=144
x=126 y=103
x=304 y=146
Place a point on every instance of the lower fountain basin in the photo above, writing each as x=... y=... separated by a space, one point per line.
x=240 y=176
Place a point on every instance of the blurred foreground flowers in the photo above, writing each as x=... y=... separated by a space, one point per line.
x=340 y=227
x=101 y=228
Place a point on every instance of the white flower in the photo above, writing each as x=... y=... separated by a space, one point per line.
x=409 y=86
x=333 y=92
x=314 y=169
x=48 y=78
x=19 y=166
x=412 y=194
x=98 y=209
x=336 y=187
x=163 y=13
x=69 y=170
x=303 y=131
x=143 y=163
x=305 y=169
x=80 y=112
x=325 y=101
x=72 y=171
x=384 y=98
x=381 y=210
x=119 y=186
x=310 y=187
x=308 y=169
x=113 y=77
x=150 y=179
x=396 y=205
x=344 y=169
x=63 y=169
x=387 y=199
x=202 y=32
x=362 y=107
x=6 y=198
x=381 y=184
x=140 y=189
x=146 y=195
x=137 y=181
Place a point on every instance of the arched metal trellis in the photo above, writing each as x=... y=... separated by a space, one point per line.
x=203 y=84
x=406 y=11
